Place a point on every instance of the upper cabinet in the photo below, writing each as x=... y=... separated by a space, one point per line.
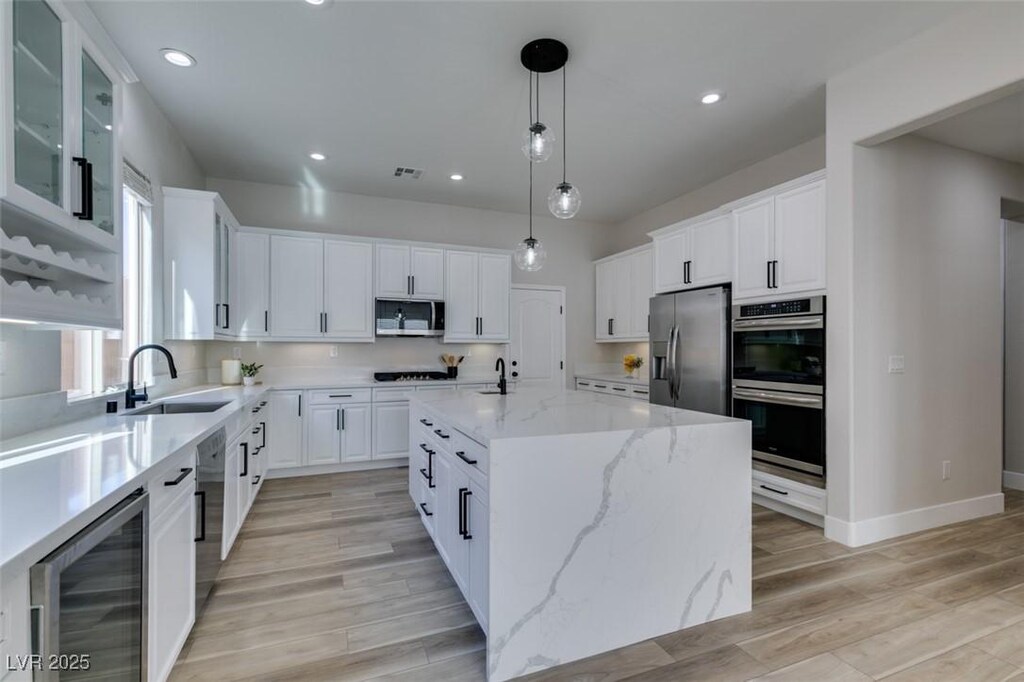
x=695 y=254
x=623 y=286
x=405 y=271
x=199 y=242
x=60 y=170
x=477 y=290
x=780 y=243
x=251 y=276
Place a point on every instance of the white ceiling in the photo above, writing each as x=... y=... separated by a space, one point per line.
x=439 y=86
x=995 y=129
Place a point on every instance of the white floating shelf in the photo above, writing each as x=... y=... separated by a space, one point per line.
x=18 y=254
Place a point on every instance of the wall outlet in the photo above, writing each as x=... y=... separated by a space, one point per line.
x=236 y=352
x=333 y=352
x=945 y=470
x=896 y=364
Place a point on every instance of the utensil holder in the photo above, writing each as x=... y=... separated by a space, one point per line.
x=453 y=372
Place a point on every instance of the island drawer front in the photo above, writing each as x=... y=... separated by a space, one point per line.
x=471 y=451
x=391 y=395
x=340 y=396
x=620 y=390
x=792 y=493
x=176 y=474
x=640 y=393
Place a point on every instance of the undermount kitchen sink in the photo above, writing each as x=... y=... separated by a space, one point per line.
x=176 y=408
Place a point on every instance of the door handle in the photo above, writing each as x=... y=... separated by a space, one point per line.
x=774 y=490
x=337 y=420
x=775 y=274
x=412 y=288
x=442 y=435
x=263 y=430
x=201 y=494
x=464 y=512
x=83 y=211
x=423 y=506
x=462 y=517
x=256 y=479
x=342 y=419
x=245 y=460
x=181 y=477
x=266 y=320
x=462 y=455
x=227 y=316
x=426 y=423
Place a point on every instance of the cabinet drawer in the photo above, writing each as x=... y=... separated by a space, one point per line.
x=469 y=452
x=619 y=389
x=640 y=393
x=340 y=395
x=391 y=395
x=177 y=474
x=792 y=493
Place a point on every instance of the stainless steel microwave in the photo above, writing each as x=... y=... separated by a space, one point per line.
x=409 y=318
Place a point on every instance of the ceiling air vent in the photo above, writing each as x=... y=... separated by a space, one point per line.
x=411 y=173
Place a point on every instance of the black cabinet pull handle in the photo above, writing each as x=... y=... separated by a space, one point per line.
x=181 y=477
x=84 y=208
x=774 y=490
x=775 y=274
x=337 y=420
x=266 y=320
x=412 y=288
x=464 y=511
x=216 y=315
x=462 y=455
x=425 y=474
x=227 y=316
x=342 y=419
x=617 y=388
x=426 y=423
x=340 y=395
x=201 y=494
x=256 y=479
x=300 y=404
x=423 y=506
x=442 y=435
x=263 y=431
x=91 y=199
x=245 y=460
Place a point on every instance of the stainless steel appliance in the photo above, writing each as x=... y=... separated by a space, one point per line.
x=89 y=599
x=210 y=514
x=409 y=318
x=689 y=350
x=778 y=370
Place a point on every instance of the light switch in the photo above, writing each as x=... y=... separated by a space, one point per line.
x=896 y=364
x=236 y=352
x=334 y=351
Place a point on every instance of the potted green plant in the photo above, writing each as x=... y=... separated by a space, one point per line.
x=249 y=372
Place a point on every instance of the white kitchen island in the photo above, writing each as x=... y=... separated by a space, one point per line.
x=576 y=523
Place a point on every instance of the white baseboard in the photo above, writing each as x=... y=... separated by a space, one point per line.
x=1011 y=479
x=858 y=533
x=291 y=472
x=789 y=510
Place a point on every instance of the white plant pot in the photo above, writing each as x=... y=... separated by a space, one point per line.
x=249 y=381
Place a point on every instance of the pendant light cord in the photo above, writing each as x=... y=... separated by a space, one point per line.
x=564 y=145
x=530 y=158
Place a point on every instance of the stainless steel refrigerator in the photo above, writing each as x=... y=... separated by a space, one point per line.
x=689 y=352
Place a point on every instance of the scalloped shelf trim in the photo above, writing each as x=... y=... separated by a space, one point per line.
x=46 y=296
x=45 y=257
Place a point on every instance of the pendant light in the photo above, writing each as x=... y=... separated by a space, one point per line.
x=538 y=139
x=564 y=200
x=530 y=253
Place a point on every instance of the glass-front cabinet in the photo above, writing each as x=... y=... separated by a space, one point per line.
x=59 y=112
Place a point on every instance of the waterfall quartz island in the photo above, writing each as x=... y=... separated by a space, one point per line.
x=575 y=523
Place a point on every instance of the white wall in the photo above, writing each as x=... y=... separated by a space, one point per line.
x=1014 y=354
x=973 y=57
x=572 y=245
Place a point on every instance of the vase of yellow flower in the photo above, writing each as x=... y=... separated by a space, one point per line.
x=631 y=363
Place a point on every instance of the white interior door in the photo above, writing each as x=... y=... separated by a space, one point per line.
x=536 y=354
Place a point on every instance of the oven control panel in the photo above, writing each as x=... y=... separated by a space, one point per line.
x=797 y=306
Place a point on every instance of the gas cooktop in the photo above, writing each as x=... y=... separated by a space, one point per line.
x=411 y=375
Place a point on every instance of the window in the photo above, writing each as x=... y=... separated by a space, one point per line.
x=94 y=362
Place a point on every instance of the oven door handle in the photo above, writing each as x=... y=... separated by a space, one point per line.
x=814 y=402
x=781 y=324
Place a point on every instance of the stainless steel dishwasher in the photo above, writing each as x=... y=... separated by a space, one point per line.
x=210 y=515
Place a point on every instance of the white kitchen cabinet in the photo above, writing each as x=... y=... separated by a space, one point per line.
x=405 y=271
x=390 y=430
x=446 y=512
x=780 y=243
x=323 y=434
x=199 y=241
x=348 y=290
x=251 y=266
x=478 y=288
x=697 y=253
x=477 y=540
x=356 y=432
x=284 y=430
x=623 y=288
x=232 y=467
x=172 y=579
x=297 y=286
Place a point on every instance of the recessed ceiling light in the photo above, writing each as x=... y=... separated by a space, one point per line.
x=317 y=156
x=456 y=176
x=315 y=2
x=711 y=98
x=177 y=57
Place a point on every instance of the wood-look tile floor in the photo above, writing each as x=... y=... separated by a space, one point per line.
x=334 y=578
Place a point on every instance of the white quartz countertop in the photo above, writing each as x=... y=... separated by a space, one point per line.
x=55 y=481
x=642 y=379
x=533 y=412
x=314 y=382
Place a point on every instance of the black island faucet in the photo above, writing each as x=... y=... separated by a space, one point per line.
x=131 y=396
x=499 y=366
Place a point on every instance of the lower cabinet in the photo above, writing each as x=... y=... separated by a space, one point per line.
x=634 y=391
x=172 y=580
x=238 y=488
x=390 y=430
x=284 y=437
x=338 y=433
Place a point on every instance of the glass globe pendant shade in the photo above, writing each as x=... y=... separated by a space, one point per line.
x=564 y=200
x=530 y=255
x=538 y=142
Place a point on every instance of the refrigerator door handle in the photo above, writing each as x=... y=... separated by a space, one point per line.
x=677 y=375
x=670 y=361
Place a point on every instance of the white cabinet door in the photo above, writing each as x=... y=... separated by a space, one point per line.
x=284 y=429
x=296 y=286
x=393 y=271
x=172 y=582
x=620 y=295
x=641 y=288
x=390 y=430
x=670 y=253
x=495 y=290
x=458 y=546
x=232 y=467
x=446 y=514
x=245 y=477
x=478 y=528
x=462 y=295
x=604 y=307
x=800 y=239
x=754 y=226
x=348 y=289
x=427 y=269
x=356 y=430
x=323 y=434
x=711 y=257
x=252 y=285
